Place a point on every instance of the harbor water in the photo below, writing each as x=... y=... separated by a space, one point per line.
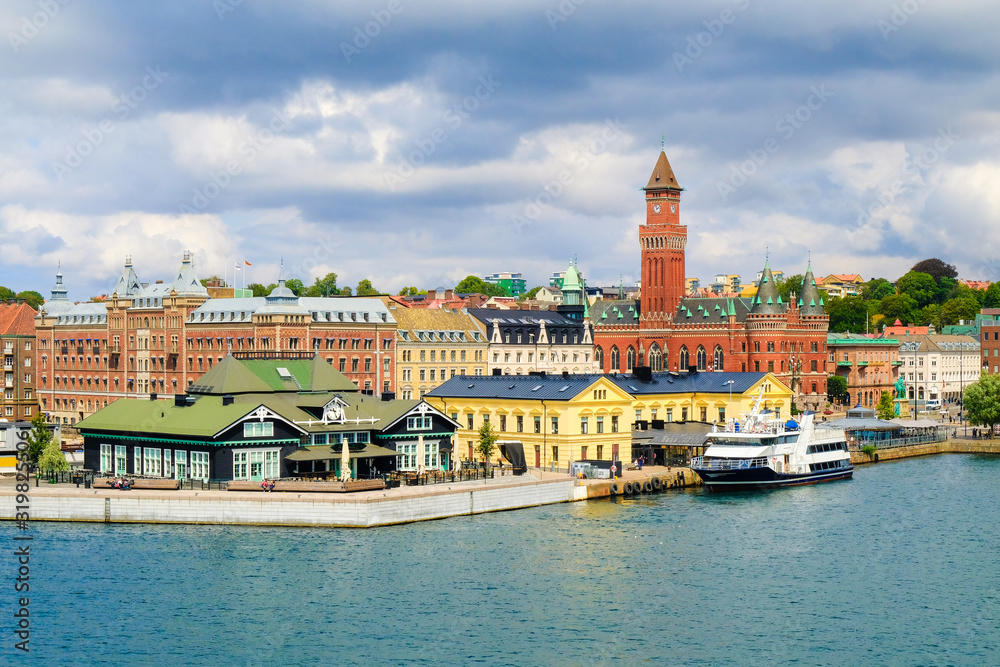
x=897 y=566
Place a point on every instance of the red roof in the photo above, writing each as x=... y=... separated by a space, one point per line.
x=17 y=319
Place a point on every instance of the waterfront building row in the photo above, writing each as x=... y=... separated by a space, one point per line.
x=17 y=339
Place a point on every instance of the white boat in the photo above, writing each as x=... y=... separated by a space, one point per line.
x=760 y=451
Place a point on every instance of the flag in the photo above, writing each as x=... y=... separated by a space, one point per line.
x=247 y=263
x=237 y=266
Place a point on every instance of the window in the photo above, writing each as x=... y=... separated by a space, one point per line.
x=813 y=366
x=418 y=423
x=469 y=418
x=343 y=364
x=538 y=424
x=422 y=374
x=151 y=462
x=503 y=422
x=614 y=426
x=583 y=425
x=684 y=358
x=722 y=414
x=704 y=414
x=120 y=460
x=684 y=414
x=770 y=346
x=701 y=358
x=614 y=360
x=555 y=452
x=105 y=458
x=254 y=464
x=137 y=460
x=555 y=427
x=258 y=429
x=520 y=423
x=600 y=424
x=719 y=359
x=770 y=367
x=630 y=358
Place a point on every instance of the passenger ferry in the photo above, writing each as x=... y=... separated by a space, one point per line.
x=761 y=451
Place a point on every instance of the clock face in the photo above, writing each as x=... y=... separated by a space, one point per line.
x=656 y=208
x=673 y=208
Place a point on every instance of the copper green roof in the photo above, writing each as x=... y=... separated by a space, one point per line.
x=247 y=376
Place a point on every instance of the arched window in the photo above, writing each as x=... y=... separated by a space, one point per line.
x=719 y=359
x=615 y=361
x=655 y=358
x=701 y=358
x=684 y=358
x=630 y=358
x=598 y=357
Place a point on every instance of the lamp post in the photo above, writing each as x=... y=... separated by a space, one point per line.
x=730 y=406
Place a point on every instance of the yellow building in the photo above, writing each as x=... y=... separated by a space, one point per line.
x=433 y=345
x=563 y=418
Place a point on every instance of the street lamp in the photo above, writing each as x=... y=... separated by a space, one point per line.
x=730 y=406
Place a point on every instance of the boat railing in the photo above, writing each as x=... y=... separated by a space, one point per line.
x=774 y=463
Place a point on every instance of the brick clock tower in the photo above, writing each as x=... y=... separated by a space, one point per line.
x=662 y=240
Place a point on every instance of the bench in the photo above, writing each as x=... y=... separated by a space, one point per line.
x=158 y=484
x=312 y=487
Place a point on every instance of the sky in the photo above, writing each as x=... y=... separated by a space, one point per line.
x=416 y=143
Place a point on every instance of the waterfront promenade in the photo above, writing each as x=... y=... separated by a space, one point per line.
x=405 y=504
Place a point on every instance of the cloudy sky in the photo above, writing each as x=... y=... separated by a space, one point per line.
x=418 y=142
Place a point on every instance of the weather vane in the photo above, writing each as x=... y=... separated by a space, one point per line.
x=662 y=140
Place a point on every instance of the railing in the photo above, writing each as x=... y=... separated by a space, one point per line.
x=748 y=464
x=892 y=443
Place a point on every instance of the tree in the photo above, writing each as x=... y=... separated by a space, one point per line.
x=408 y=291
x=52 y=458
x=836 y=389
x=486 y=439
x=886 y=407
x=921 y=287
x=346 y=291
x=532 y=293
x=296 y=286
x=982 y=401
x=38 y=438
x=32 y=298
x=325 y=286
x=205 y=281
x=877 y=289
x=900 y=307
x=992 y=298
x=258 y=289
x=936 y=268
x=6 y=293
x=474 y=285
x=962 y=308
x=365 y=288
x=847 y=314
x=789 y=285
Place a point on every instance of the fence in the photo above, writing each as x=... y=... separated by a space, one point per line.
x=939 y=435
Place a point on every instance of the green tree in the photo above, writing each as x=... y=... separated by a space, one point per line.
x=900 y=307
x=258 y=289
x=32 y=298
x=408 y=291
x=982 y=401
x=474 y=285
x=487 y=438
x=346 y=291
x=877 y=289
x=6 y=293
x=836 y=389
x=847 y=314
x=992 y=297
x=532 y=293
x=886 y=407
x=921 y=287
x=936 y=268
x=296 y=286
x=38 y=438
x=52 y=458
x=205 y=281
x=365 y=288
x=789 y=285
x=325 y=286
x=931 y=314
x=962 y=308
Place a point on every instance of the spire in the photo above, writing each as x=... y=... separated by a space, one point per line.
x=662 y=176
x=767 y=299
x=187 y=283
x=59 y=291
x=128 y=284
x=810 y=301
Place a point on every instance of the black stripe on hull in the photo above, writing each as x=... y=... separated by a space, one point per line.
x=765 y=478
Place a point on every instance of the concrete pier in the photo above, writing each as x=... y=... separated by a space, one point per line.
x=365 y=509
x=954 y=446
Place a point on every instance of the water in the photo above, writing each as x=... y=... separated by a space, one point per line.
x=897 y=566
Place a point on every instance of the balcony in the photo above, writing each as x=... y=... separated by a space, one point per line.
x=844 y=363
x=174 y=349
x=115 y=349
x=862 y=364
x=897 y=363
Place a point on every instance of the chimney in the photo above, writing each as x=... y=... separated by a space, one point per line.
x=565 y=374
x=180 y=400
x=431 y=294
x=449 y=294
x=152 y=396
x=643 y=373
x=227 y=399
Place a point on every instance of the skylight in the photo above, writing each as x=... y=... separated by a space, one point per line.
x=536 y=387
x=564 y=388
x=283 y=373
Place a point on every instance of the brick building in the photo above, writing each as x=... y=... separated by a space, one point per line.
x=667 y=330
x=17 y=342
x=989 y=336
x=870 y=365
x=159 y=338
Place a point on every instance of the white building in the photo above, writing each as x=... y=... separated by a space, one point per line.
x=938 y=366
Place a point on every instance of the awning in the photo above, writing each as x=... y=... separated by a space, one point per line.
x=327 y=453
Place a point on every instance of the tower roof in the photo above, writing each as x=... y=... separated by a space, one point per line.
x=662 y=176
x=187 y=283
x=128 y=284
x=572 y=279
x=810 y=300
x=767 y=299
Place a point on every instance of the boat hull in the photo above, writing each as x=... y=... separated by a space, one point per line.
x=765 y=478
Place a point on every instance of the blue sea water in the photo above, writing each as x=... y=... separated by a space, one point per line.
x=896 y=567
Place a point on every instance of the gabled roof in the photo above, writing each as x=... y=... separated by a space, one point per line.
x=247 y=376
x=609 y=312
x=662 y=176
x=17 y=320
